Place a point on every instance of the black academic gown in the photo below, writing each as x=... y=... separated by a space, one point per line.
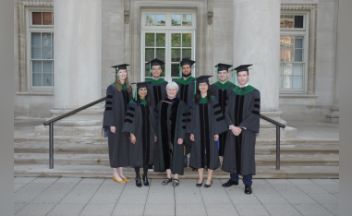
x=222 y=92
x=139 y=121
x=207 y=120
x=156 y=91
x=186 y=90
x=114 y=114
x=242 y=111
x=172 y=119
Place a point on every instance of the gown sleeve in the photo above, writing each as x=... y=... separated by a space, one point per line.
x=129 y=123
x=185 y=120
x=219 y=118
x=252 y=121
x=108 y=113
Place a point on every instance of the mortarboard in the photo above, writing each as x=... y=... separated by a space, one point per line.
x=222 y=66
x=242 y=68
x=188 y=61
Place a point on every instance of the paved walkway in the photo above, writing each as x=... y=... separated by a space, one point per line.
x=91 y=196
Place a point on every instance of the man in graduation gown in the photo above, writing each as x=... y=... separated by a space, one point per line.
x=156 y=86
x=186 y=93
x=207 y=123
x=118 y=95
x=172 y=119
x=140 y=126
x=243 y=117
x=222 y=90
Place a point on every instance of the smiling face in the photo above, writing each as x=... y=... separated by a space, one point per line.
x=186 y=70
x=142 y=92
x=242 y=78
x=203 y=88
x=156 y=71
x=171 y=92
x=223 y=75
x=122 y=74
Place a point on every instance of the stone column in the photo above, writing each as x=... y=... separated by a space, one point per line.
x=257 y=41
x=77 y=56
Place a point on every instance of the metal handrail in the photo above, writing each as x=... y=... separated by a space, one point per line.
x=278 y=125
x=51 y=122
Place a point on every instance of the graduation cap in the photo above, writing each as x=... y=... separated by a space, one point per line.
x=156 y=62
x=188 y=61
x=203 y=79
x=120 y=66
x=242 y=68
x=222 y=66
x=140 y=84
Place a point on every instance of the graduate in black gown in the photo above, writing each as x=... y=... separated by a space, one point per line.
x=172 y=120
x=186 y=93
x=222 y=90
x=118 y=95
x=207 y=123
x=140 y=126
x=243 y=117
x=157 y=84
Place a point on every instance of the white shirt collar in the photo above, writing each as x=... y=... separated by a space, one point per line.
x=244 y=85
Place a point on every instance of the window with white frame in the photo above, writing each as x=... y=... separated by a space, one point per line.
x=40 y=49
x=169 y=36
x=293 y=52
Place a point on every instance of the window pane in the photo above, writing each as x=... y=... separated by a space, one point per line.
x=47 y=66
x=187 y=40
x=299 y=42
x=149 y=39
x=36 y=18
x=149 y=54
x=291 y=21
x=186 y=53
x=47 y=45
x=175 y=40
x=297 y=82
x=36 y=49
x=175 y=70
x=297 y=69
x=176 y=20
x=36 y=67
x=298 y=21
x=47 y=18
x=160 y=39
x=48 y=79
x=286 y=48
x=37 y=79
x=155 y=20
x=160 y=54
x=187 y=20
x=175 y=55
x=299 y=55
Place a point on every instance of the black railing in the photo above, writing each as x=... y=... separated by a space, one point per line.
x=51 y=122
x=278 y=125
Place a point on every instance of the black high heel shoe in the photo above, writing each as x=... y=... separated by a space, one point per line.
x=138 y=182
x=145 y=181
x=208 y=185
x=199 y=184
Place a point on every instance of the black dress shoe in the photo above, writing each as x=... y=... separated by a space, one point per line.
x=145 y=181
x=248 y=189
x=166 y=181
x=229 y=183
x=138 y=182
x=208 y=185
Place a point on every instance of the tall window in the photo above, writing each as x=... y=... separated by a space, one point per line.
x=168 y=36
x=293 y=55
x=41 y=49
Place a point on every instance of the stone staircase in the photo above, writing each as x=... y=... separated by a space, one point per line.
x=87 y=157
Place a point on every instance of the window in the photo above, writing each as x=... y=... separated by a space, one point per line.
x=293 y=53
x=168 y=36
x=41 y=49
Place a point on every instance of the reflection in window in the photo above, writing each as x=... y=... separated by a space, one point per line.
x=155 y=20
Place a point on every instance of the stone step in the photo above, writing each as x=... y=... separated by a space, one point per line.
x=96 y=159
x=87 y=148
x=102 y=171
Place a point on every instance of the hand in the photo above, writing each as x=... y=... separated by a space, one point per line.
x=216 y=137
x=237 y=131
x=231 y=127
x=133 y=138
x=180 y=141
x=191 y=137
x=112 y=129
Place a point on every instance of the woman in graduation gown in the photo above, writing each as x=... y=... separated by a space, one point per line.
x=243 y=117
x=139 y=124
x=172 y=120
x=207 y=123
x=118 y=95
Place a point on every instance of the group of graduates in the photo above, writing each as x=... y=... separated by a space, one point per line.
x=187 y=122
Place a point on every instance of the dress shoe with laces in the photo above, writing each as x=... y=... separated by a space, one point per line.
x=229 y=183
x=248 y=189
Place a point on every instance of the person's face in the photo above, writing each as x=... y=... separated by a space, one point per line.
x=156 y=71
x=203 y=88
x=242 y=77
x=186 y=69
x=122 y=74
x=171 y=92
x=223 y=75
x=142 y=92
